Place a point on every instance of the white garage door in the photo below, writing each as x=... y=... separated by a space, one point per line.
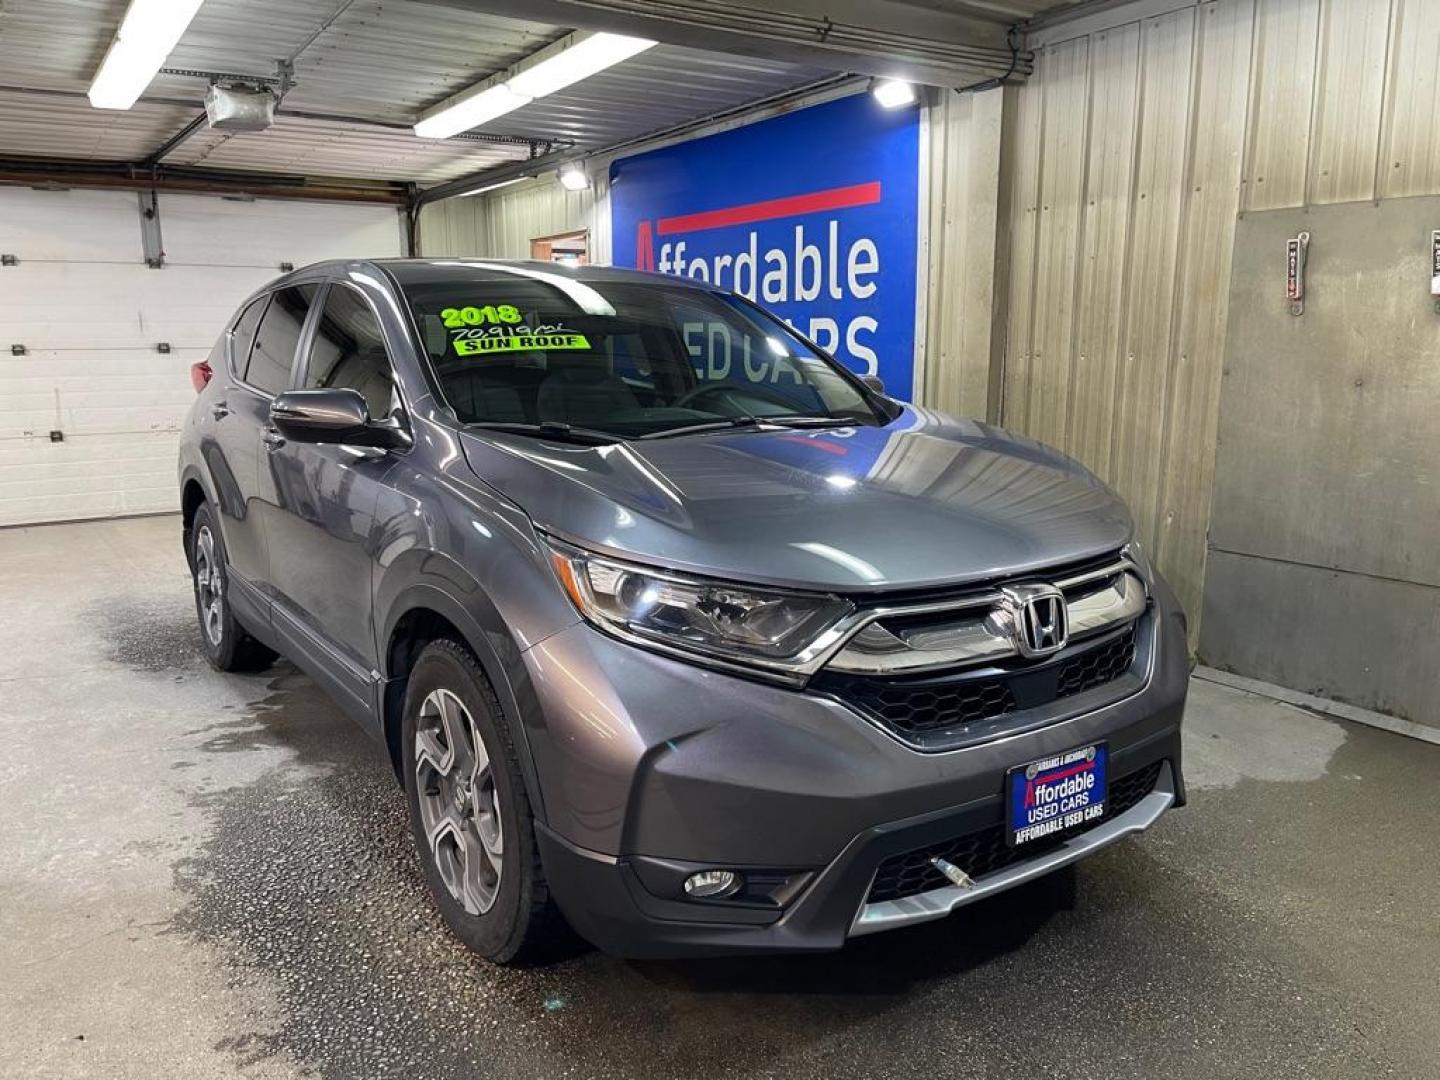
x=91 y=317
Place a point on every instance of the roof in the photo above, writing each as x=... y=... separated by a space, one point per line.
x=364 y=71
x=421 y=271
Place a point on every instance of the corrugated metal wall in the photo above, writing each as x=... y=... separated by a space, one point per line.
x=501 y=225
x=1133 y=149
x=959 y=252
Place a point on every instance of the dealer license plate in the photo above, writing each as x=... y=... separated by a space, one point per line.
x=1056 y=793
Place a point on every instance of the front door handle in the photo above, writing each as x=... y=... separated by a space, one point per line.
x=272 y=438
x=220 y=410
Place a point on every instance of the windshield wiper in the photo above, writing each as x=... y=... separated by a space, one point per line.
x=748 y=421
x=802 y=420
x=705 y=425
x=549 y=429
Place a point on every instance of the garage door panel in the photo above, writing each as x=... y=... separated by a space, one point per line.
x=90 y=314
x=208 y=232
x=87 y=477
x=132 y=413
x=96 y=391
x=74 y=226
x=56 y=368
x=77 y=305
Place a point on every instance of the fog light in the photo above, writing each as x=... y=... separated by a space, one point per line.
x=713 y=884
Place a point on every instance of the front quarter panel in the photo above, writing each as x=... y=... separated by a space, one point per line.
x=446 y=543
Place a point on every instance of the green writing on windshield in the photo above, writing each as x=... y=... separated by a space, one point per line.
x=478 y=346
x=454 y=318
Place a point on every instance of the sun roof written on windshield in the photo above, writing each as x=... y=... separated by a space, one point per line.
x=624 y=358
x=497 y=328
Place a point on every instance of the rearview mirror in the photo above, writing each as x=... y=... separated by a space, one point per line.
x=874 y=382
x=332 y=416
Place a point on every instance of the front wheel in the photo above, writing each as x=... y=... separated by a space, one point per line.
x=469 y=811
x=226 y=644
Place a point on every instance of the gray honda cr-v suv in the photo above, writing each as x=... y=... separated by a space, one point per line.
x=669 y=624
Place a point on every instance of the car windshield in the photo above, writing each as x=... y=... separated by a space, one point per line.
x=514 y=347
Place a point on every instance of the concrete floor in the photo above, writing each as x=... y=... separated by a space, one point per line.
x=207 y=875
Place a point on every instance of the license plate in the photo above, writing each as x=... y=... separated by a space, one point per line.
x=1054 y=794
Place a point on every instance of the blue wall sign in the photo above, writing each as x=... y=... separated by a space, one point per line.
x=812 y=214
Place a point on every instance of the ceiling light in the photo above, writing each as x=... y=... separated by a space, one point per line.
x=579 y=61
x=478 y=108
x=148 y=32
x=494 y=187
x=576 y=57
x=574 y=178
x=892 y=93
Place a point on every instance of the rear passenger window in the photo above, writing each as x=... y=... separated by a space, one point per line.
x=349 y=351
x=243 y=335
x=274 y=353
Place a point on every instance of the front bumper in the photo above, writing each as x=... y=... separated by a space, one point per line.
x=651 y=768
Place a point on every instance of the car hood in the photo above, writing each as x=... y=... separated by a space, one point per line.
x=922 y=502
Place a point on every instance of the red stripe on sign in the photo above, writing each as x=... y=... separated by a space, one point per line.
x=815 y=202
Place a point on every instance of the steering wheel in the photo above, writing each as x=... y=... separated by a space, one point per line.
x=725 y=390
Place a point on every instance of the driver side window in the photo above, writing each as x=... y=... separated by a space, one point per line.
x=349 y=351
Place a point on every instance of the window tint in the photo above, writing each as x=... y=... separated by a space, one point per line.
x=244 y=334
x=349 y=351
x=279 y=334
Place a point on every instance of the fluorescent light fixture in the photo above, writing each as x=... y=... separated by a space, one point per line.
x=147 y=34
x=581 y=60
x=892 y=93
x=471 y=111
x=574 y=178
x=493 y=187
x=577 y=57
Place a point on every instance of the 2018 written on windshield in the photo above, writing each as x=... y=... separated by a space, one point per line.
x=455 y=318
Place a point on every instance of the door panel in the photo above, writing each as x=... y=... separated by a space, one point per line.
x=230 y=443
x=322 y=530
x=1323 y=569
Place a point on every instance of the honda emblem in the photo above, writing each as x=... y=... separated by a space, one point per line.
x=1040 y=619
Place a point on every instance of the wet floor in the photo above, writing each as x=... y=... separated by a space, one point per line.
x=221 y=880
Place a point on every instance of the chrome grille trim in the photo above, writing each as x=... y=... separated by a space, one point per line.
x=1096 y=601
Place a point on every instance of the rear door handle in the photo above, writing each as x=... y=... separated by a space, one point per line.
x=272 y=438
x=219 y=410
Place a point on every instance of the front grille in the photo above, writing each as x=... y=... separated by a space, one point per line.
x=1097 y=667
x=984 y=852
x=959 y=704
x=928 y=706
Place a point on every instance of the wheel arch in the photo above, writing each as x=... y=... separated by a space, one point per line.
x=424 y=612
x=194 y=493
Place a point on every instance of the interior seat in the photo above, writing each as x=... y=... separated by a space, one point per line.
x=582 y=391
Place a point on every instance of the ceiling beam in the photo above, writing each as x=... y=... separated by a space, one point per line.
x=889 y=38
x=125 y=175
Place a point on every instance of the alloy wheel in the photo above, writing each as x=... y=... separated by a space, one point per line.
x=459 y=806
x=209 y=586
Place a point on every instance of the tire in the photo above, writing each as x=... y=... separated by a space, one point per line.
x=224 y=641
x=470 y=814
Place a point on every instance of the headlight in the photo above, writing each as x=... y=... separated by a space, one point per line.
x=779 y=631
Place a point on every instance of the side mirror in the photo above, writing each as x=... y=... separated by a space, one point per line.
x=332 y=416
x=874 y=382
